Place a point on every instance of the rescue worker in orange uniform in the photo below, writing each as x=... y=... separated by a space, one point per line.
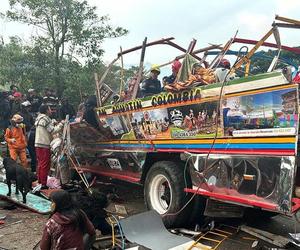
x=16 y=139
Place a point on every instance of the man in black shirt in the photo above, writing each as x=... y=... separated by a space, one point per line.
x=151 y=85
x=89 y=114
x=66 y=109
x=5 y=113
x=27 y=116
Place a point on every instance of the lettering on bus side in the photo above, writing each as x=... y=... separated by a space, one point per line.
x=128 y=106
x=172 y=98
x=101 y=111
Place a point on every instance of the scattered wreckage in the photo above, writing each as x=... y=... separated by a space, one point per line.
x=201 y=146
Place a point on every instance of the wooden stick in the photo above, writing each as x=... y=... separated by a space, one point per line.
x=274 y=239
x=99 y=104
x=193 y=53
x=287 y=20
x=287 y=25
x=122 y=71
x=105 y=74
x=161 y=41
x=246 y=58
x=220 y=56
x=136 y=87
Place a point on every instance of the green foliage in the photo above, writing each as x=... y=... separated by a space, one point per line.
x=70 y=29
x=28 y=67
x=263 y=60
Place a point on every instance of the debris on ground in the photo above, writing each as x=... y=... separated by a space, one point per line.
x=274 y=239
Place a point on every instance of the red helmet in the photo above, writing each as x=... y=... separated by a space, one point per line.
x=176 y=65
x=224 y=63
x=17 y=94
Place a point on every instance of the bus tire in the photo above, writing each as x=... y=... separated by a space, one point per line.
x=164 y=192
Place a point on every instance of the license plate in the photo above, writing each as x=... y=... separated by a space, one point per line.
x=114 y=163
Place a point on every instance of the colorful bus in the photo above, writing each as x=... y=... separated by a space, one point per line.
x=233 y=144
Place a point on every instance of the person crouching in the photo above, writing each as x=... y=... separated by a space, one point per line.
x=16 y=140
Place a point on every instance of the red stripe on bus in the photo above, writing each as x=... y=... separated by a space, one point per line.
x=242 y=200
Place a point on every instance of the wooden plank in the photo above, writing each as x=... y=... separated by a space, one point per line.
x=139 y=77
x=274 y=239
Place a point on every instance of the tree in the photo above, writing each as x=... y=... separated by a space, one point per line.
x=28 y=67
x=261 y=60
x=14 y=62
x=69 y=28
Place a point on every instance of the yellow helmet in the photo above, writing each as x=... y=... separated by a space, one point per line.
x=155 y=67
x=17 y=118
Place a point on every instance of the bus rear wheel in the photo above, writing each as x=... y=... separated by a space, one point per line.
x=164 y=192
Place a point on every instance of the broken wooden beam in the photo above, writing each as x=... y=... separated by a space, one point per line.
x=274 y=239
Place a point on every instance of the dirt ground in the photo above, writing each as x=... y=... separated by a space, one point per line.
x=22 y=229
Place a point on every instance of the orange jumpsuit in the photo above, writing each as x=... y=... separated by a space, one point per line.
x=17 y=148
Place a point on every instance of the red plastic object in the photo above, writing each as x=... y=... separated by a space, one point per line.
x=296 y=204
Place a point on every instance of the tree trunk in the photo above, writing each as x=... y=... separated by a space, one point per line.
x=59 y=81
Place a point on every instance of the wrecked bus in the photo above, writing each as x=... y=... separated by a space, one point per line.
x=231 y=144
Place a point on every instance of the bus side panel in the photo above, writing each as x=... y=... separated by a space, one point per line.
x=265 y=182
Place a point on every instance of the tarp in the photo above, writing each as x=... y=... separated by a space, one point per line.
x=147 y=229
x=34 y=202
x=186 y=68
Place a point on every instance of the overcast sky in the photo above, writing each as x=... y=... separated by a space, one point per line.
x=213 y=21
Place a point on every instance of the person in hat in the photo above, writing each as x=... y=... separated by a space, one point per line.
x=68 y=227
x=222 y=72
x=16 y=102
x=27 y=116
x=151 y=85
x=35 y=100
x=175 y=69
x=16 y=140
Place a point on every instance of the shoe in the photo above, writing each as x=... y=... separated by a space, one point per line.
x=44 y=187
x=37 y=188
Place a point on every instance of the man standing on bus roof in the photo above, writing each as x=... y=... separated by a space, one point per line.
x=151 y=85
x=222 y=72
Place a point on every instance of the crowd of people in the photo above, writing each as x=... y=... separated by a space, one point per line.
x=19 y=114
x=28 y=122
x=27 y=125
